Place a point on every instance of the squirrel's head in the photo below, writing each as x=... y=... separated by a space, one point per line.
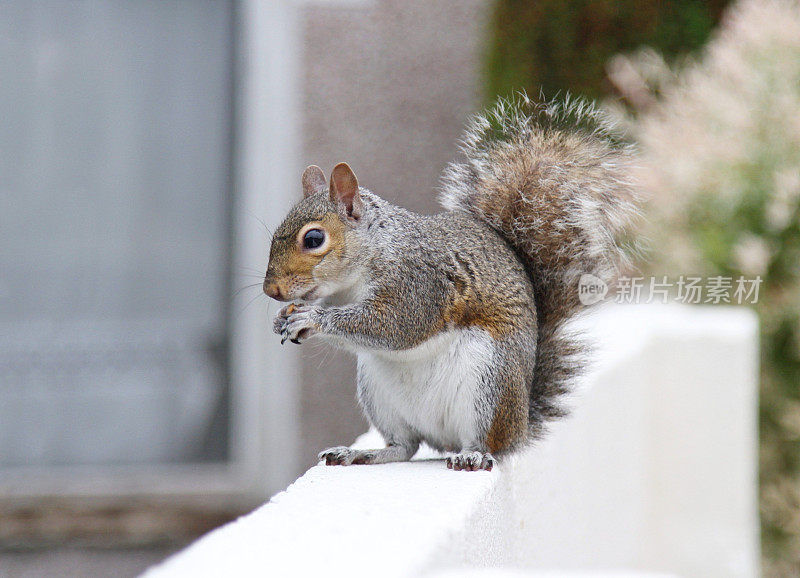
x=307 y=259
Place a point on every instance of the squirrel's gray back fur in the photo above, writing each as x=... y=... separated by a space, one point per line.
x=553 y=179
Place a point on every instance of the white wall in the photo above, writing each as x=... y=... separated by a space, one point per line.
x=655 y=471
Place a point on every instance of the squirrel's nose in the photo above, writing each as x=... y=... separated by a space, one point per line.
x=272 y=290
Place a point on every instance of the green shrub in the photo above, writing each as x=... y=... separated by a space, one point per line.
x=563 y=45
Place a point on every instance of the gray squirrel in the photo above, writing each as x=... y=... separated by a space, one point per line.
x=457 y=319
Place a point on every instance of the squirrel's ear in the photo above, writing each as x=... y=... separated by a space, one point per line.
x=344 y=192
x=313 y=180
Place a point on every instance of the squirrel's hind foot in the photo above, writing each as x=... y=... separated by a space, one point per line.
x=471 y=461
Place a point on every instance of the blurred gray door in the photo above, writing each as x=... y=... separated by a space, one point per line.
x=115 y=132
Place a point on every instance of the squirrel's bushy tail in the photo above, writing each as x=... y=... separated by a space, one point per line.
x=555 y=181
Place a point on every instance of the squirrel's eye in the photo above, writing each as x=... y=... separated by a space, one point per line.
x=313 y=238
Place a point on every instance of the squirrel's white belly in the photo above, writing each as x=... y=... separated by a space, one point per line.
x=434 y=389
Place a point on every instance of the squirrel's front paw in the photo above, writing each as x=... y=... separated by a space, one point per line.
x=297 y=323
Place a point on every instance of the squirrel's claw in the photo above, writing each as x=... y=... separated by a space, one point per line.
x=470 y=461
x=281 y=318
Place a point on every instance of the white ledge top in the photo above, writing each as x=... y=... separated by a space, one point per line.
x=631 y=479
x=343 y=520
